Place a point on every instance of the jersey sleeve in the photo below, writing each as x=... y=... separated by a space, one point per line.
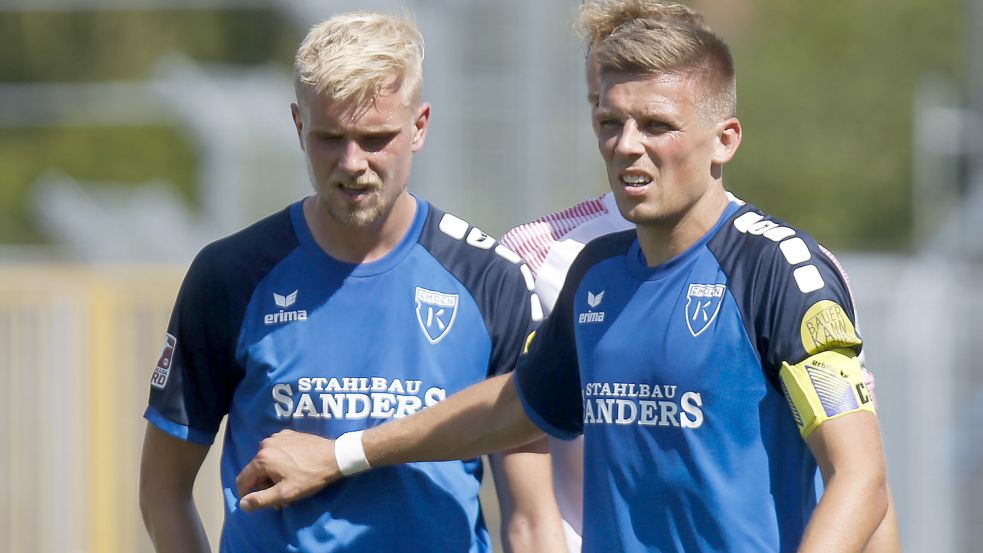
x=794 y=297
x=192 y=384
x=514 y=310
x=811 y=310
x=548 y=373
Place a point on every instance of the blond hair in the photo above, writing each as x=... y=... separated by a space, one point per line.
x=597 y=20
x=355 y=56
x=674 y=46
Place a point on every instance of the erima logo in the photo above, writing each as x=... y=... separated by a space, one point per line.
x=285 y=301
x=593 y=300
x=282 y=316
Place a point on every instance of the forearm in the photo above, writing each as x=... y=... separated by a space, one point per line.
x=886 y=538
x=174 y=524
x=168 y=468
x=852 y=507
x=531 y=520
x=484 y=418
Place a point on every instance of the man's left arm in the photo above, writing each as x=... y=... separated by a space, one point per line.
x=849 y=453
x=531 y=519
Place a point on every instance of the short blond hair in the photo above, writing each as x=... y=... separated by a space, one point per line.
x=357 y=55
x=597 y=20
x=654 y=47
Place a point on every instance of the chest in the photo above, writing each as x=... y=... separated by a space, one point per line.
x=318 y=344
x=682 y=330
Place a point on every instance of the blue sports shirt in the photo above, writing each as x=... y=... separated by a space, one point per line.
x=671 y=375
x=273 y=332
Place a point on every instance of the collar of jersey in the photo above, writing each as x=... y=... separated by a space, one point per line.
x=636 y=259
x=371 y=268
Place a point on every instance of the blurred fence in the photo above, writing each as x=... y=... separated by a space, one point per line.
x=76 y=349
x=77 y=346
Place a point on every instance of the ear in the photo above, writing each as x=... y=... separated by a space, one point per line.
x=420 y=126
x=728 y=140
x=298 y=123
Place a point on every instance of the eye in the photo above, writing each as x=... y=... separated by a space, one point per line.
x=376 y=142
x=327 y=138
x=658 y=127
x=609 y=123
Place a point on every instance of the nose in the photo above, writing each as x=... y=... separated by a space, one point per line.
x=354 y=159
x=630 y=140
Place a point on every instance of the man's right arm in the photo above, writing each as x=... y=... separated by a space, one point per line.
x=481 y=419
x=168 y=468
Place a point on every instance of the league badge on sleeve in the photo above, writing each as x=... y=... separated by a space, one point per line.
x=163 y=368
x=435 y=311
x=702 y=305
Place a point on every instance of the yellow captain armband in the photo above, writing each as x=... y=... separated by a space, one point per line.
x=825 y=386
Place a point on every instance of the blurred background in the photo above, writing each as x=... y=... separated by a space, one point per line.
x=133 y=132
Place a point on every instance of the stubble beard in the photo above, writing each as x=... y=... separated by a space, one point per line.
x=370 y=210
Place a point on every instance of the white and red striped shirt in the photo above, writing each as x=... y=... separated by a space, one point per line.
x=548 y=246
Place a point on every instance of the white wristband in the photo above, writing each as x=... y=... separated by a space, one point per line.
x=349 y=454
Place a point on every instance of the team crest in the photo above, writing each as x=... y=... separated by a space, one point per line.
x=702 y=305
x=436 y=312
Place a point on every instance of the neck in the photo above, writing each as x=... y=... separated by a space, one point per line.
x=359 y=244
x=664 y=240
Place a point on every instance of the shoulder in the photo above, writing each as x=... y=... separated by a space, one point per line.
x=597 y=251
x=458 y=245
x=794 y=297
x=245 y=256
x=754 y=244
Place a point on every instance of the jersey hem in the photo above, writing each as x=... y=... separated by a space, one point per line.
x=538 y=420
x=179 y=431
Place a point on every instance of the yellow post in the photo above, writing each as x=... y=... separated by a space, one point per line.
x=103 y=391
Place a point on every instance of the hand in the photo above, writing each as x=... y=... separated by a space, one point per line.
x=288 y=466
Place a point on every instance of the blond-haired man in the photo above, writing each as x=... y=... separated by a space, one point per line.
x=355 y=306
x=709 y=357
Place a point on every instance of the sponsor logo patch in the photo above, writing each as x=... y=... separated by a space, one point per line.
x=826 y=326
x=163 y=368
x=435 y=311
x=702 y=305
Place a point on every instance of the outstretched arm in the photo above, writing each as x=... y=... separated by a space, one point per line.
x=855 y=501
x=483 y=418
x=168 y=469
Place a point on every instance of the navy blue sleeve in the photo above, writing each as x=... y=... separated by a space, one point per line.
x=499 y=282
x=793 y=296
x=548 y=374
x=197 y=373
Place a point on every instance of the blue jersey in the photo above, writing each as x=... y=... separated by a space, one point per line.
x=276 y=334
x=671 y=375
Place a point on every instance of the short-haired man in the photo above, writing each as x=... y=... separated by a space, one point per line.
x=549 y=244
x=357 y=305
x=709 y=358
